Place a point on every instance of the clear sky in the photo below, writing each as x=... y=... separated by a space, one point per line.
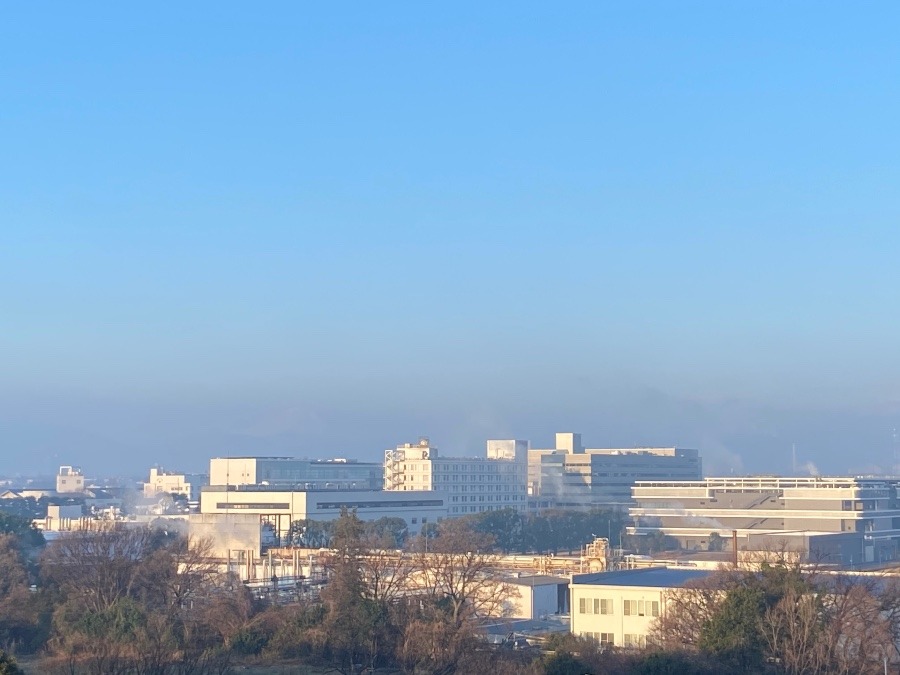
x=327 y=228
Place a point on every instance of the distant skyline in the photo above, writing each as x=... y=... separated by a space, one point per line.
x=326 y=230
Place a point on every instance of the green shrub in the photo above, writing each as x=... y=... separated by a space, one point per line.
x=8 y=665
x=564 y=663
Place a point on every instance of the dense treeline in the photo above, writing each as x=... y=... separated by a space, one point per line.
x=550 y=531
x=115 y=601
x=137 y=601
x=24 y=615
x=419 y=612
x=780 y=618
x=511 y=532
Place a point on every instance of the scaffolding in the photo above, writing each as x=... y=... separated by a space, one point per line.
x=393 y=469
x=394 y=473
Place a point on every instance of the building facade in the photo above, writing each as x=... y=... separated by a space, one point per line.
x=280 y=508
x=69 y=480
x=571 y=475
x=472 y=484
x=690 y=511
x=170 y=482
x=536 y=596
x=300 y=474
x=618 y=609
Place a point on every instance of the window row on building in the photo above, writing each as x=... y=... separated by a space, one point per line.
x=629 y=607
x=630 y=640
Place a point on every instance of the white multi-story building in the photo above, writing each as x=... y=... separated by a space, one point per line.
x=472 y=484
x=175 y=483
x=747 y=507
x=570 y=475
x=278 y=508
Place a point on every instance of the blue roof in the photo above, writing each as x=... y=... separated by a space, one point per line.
x=657 y=577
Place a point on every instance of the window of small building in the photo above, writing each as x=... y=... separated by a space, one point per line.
x=633 y=640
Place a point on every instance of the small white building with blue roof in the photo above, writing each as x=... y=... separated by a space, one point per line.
x=618 y=609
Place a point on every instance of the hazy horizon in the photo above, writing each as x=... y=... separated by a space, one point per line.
x=323 y=231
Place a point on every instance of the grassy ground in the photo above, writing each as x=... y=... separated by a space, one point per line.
x=279 y=670
x=287 y=669
x=31 y=666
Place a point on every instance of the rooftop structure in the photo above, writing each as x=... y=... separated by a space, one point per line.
x=69 y=480
x=171 y=482
x=650 y=577
x=301 y=474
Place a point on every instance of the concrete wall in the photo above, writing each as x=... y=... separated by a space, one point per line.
x=67 y=512
x=236 y=532
x=69 y=480
x=232 y=471
x=569 y=443
x=508 y=449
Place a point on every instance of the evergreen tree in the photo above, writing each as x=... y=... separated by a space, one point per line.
x=351 y=620
x=734 y=633
x=8 y=665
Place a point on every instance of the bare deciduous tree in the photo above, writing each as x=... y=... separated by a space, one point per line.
x=130 y=603
x=98 y=567
x=182 y=570
x=686 y=610
x=385 y=572
x=457 y=570
x=793 y=630
x=858 y=634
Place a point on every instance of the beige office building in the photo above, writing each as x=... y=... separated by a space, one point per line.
x=619 y=609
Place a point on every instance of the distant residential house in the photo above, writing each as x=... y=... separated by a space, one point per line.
x=97 y=498
x=36 y=493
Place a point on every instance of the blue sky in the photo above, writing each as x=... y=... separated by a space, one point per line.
x=325 y=230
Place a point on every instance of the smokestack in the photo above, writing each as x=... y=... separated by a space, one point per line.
x=734 y=556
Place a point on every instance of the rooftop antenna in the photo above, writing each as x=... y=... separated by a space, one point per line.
x=793 y=459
